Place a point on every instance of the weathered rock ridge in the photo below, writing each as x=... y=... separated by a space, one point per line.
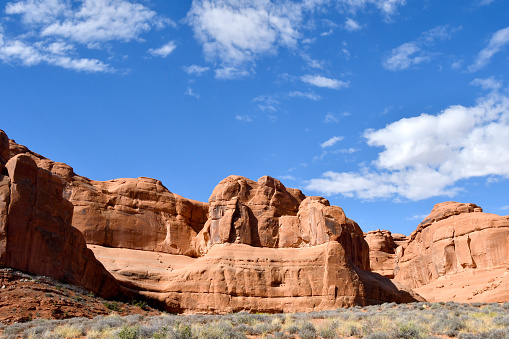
x=383 y=251
x=36 y=235
x=455 y=237
x=255 y=245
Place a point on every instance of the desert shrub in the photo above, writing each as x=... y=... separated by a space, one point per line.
x=505 y=305
x=216 y=330
x=501 y=320
x=100 y=323
x=307 y=330
x=378 y=335
x=407 y=330
x=69 y=331
x=128 y=332
x=327 y=329
x=449 y=326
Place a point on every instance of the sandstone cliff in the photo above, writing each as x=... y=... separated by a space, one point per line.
x=36 y=235
x=256 y=245
x=383 y=251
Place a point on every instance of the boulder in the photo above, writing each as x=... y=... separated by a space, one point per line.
x=454 y=238
x=36 y=235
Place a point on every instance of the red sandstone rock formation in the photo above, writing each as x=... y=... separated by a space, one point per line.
x=36 y=235
x=241 y=238
x=454 y=238
x=382 y=251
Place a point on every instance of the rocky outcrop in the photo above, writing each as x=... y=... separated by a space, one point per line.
x=36 y=235
x=383 y=251
x=454 y=238
x=235 y=277
x=256 y=245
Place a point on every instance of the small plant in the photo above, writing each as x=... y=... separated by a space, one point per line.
x=111 y=305
x=128 y=332
x=141 y=304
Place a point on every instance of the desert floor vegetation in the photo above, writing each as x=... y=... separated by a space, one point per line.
x=415 y=320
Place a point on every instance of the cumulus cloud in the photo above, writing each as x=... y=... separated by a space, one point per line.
x=235 y=32
x=196 y=70
x=414 y=53
x=320 y=81
x=54 y=26
x=426 y=155
x=164 y=50
x=497 y=42
x=331 y=142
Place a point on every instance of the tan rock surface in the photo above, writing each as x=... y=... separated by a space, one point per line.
x=234 y=277
x=36 y=235
x=454 y=238
x=382 y=251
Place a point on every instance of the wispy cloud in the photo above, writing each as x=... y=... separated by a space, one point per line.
x=164 y=50
x=320 y=81
x=228 y=73
x=307 y=95
x=330 y=118
x=191 y=93
x=196 y=70
x=427 y=155
x=414 y=53
x=498 y=41
x=245 y=118
x=331 y=142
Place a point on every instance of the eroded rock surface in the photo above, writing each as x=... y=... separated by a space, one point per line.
x=454 y=238
x=256 y=245
x=36 y=235
x=383 y=251
x=235 y=277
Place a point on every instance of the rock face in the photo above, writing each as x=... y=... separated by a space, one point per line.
x=235 y=277
x=256 y=245
x=454 y=238
x=383 y=251
x=36 y=235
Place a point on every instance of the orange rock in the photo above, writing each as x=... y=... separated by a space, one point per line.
x=382 y=251
x=454 y=238
x=235 y=277
x=37 y=236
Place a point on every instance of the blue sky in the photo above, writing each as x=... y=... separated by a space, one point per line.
x=385 y=107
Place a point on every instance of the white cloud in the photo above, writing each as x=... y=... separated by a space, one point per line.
x=351 y=25
x=320 y=81
x=498 y=41
x=287 y=177
x=245 y=118
x=413 y=53
x=53 y=26
x=226 y=73
x=18 y=52
x=488 y=83
x=196 y=70
x=426 y=156
x=191 y=93
x=38 y=11
x=404 y=57
x=307 y=95
x=235 y=32
x=505 y=208
x=330 y=117
x=164 y=50
x=103 y=20
x=331 y=142
x=387 y=7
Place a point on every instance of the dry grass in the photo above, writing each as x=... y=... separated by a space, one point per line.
x=416 y=320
